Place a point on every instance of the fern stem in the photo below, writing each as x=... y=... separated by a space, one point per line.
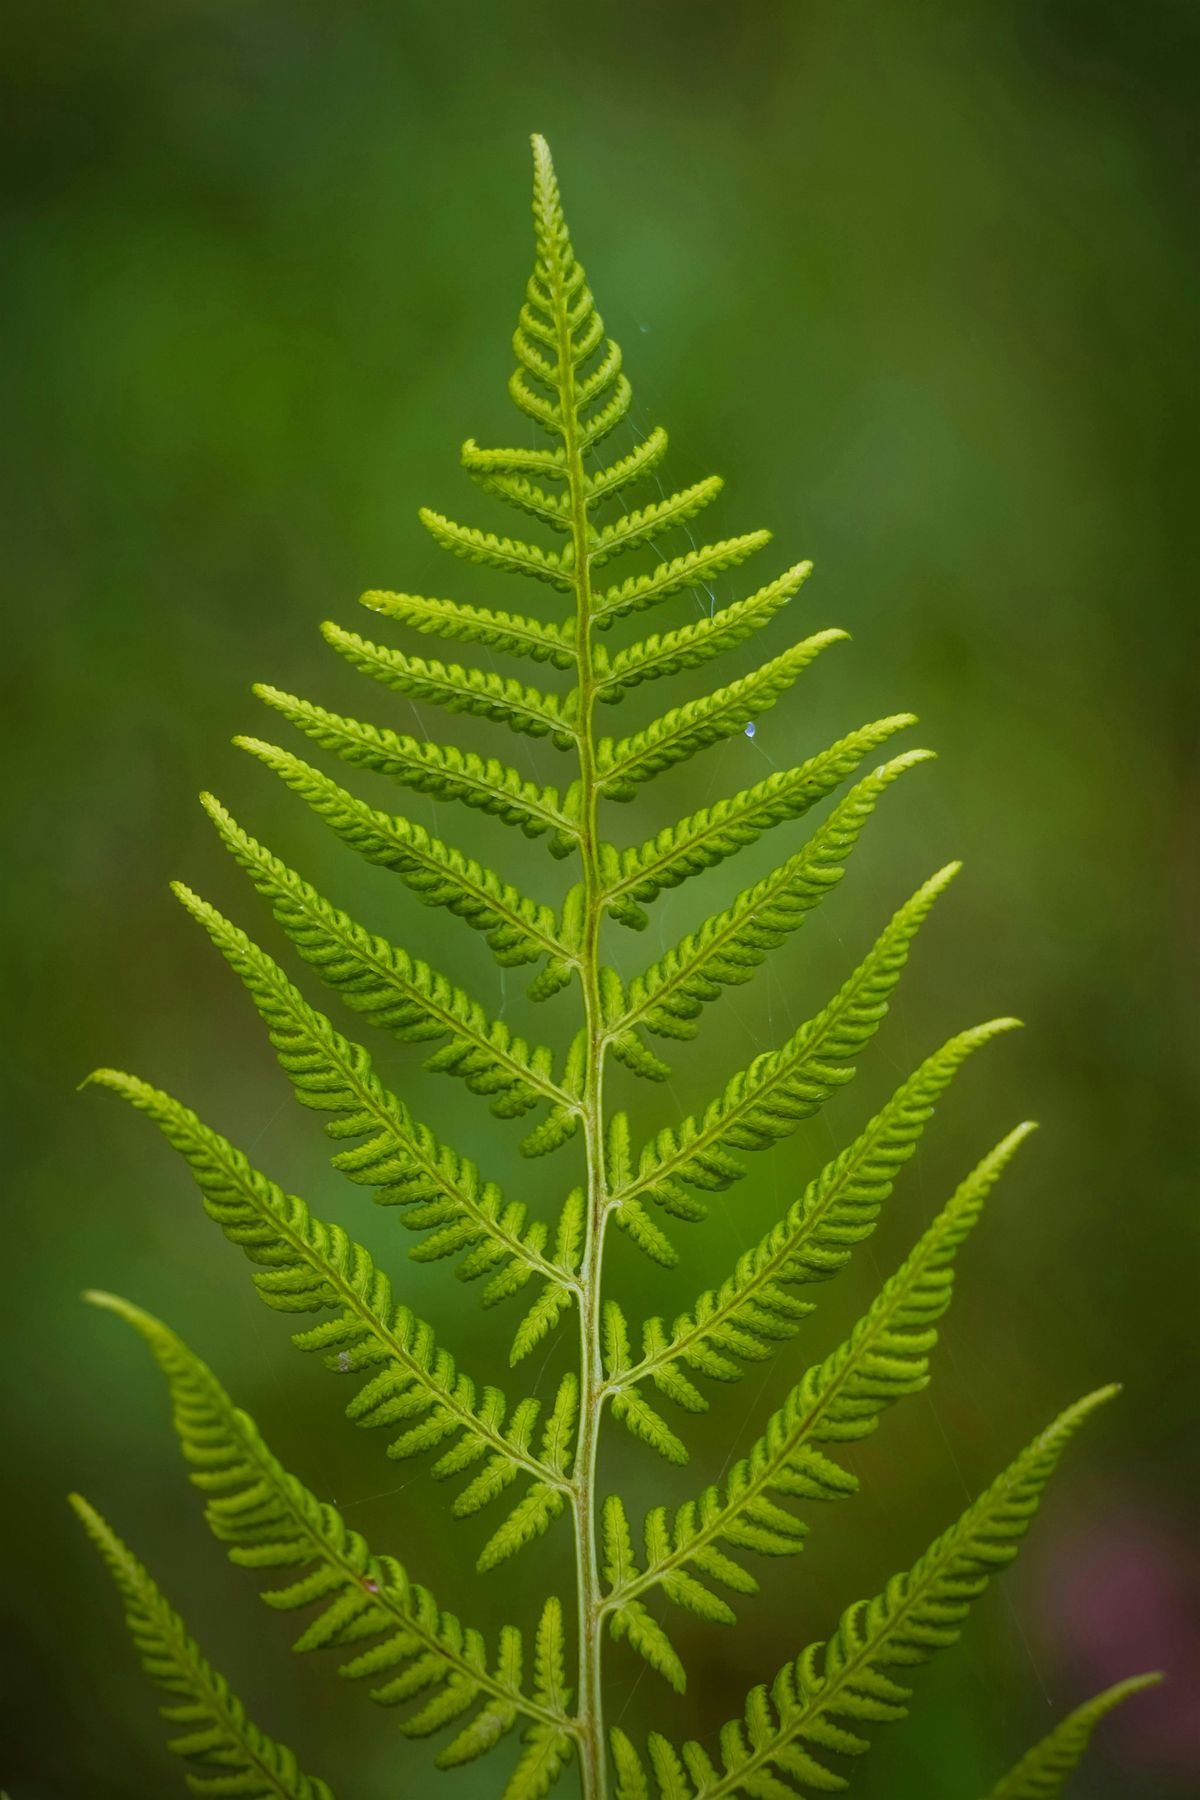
x=591 y=1373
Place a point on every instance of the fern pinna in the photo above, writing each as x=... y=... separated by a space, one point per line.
x=527 y=1463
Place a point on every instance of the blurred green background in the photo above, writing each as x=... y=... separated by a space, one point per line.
x=921 y=282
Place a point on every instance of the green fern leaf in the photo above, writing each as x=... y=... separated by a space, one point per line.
x=839 y=1401
x=506 y=632
x=831 y=1691
x=268 y=1520
x=535 y=1463
x=304 y=1264
x=398 y=993
x=641 y=461
x=505 y=554
x=632 y=1621
x=753 y=1312
x=782 y=1087
x=642 y=526
x=627 y=1766
x=439 y=1191
x=691 y=645
x=706 y=838
x=517 y=929
x=728 y=948
x=1043 y=1771
x=225 y=1751
x=456 y=689
x=493 y=465
x=687 y=729
x=438 y=769
x=693 y=569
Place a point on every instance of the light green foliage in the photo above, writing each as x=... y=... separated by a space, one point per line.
x=1042 y=1772
x=225 y=1751
x=539 y=1456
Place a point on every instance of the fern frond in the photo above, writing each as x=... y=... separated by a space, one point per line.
x=1043 y=1771
x=673 y=651
x=694 y=726
x=438 y=769
x=640 y=462
x=693 y=569
x=768 y=1100
x=490 y=464
x=729 y=947
x=536 y=1460
x=506 y=632
x=517 y=929
x=456 y=689
x=225 y=1751
x=440 y=1191
x=754 y=1310
x=839 y=1401
x=396 y=992
x=508 y=555
x=268 y=1520
x=706 y=838
x=305 y=1265
x=641 y=527
x=822 y=1700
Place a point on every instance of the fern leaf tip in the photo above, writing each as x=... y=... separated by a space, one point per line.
x=116 y=1080
x=101 y=1297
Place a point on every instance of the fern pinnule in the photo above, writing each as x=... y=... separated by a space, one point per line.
x=608 y=555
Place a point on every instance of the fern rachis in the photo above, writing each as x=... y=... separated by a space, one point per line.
x=535 y=1462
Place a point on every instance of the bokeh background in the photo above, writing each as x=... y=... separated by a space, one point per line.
x=921 y=282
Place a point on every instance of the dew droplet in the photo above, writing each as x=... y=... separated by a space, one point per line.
x=751 y=729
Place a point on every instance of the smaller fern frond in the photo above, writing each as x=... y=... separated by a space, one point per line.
x=491 y=465
x=455 y=689
x=641 y=461
x=640 y=527
x=517 y=929
x=839 y=1401
x=440 y=1191
x=396 y=992
x=692 y=569
x=697 y=724
x=225 y=1751
x=755 y=1309
x=706 y=838
x=441 y=770
x=506 y=554
x=306 y=1265
x=822 y=1701
x=767 y=1101
x=509 y=633
x=1043 y=1771
x=268 y=1521
x=671 y=652
x=728 y=948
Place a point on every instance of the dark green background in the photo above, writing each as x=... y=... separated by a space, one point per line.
x=920 y=281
